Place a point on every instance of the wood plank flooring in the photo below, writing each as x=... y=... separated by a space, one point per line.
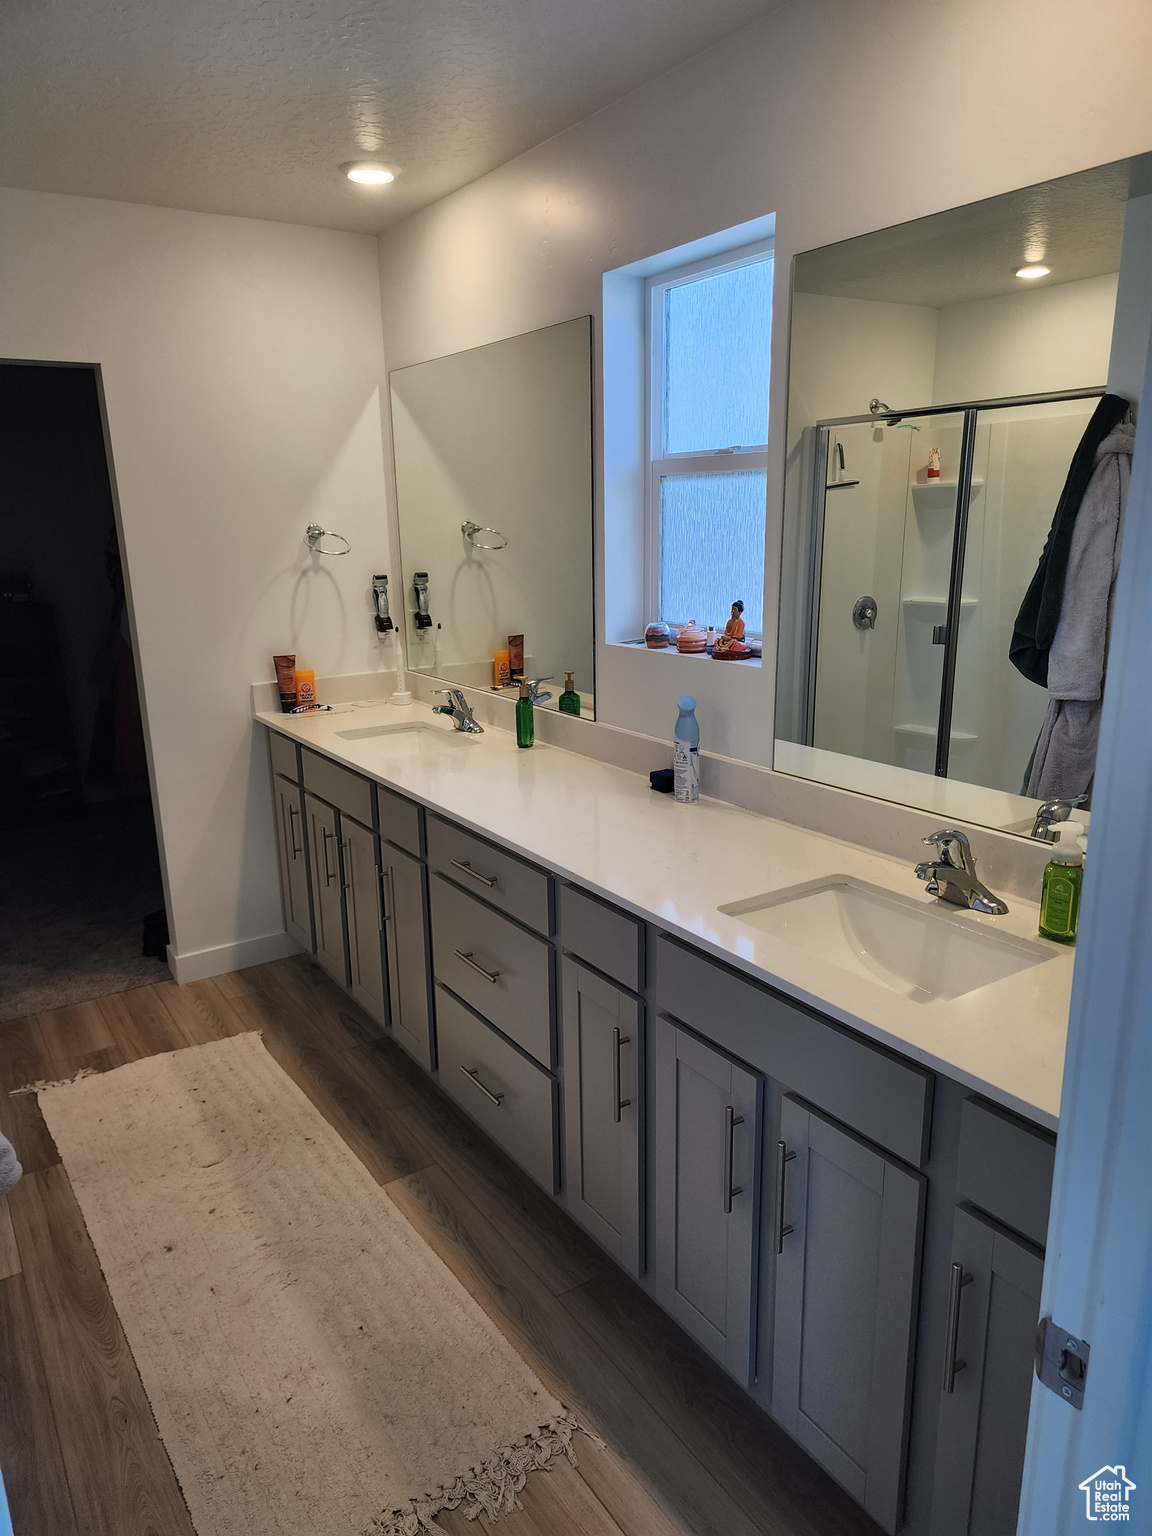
x=685 y=1452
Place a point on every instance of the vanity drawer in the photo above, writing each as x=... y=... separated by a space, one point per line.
x=399 y=820
x=346 y=790
x=1005 y=1167
x=610 y=940
x=876 y=1093
x=284 y=756
x=498 y=877
x=518 y=999
x=511 y=1098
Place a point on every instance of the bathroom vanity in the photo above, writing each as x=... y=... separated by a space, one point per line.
x=839 y=1191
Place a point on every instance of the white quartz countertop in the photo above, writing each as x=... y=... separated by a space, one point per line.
x=675 y=865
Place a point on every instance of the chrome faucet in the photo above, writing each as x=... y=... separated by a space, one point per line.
x=952 y=876
x=1053 y=811
x=533 y=686
x=459 y=711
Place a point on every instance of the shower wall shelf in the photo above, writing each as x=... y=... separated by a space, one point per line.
x=934 y=605
x=928 y=733
x=939 y=495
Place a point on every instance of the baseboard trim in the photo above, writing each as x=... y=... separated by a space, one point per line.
x=199 y=964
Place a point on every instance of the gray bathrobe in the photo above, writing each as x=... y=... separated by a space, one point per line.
x=1065 y=758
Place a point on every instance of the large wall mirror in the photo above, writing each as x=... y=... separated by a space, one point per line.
x=493 y=451
x=954 y=493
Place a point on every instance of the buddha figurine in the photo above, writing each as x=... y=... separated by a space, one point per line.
x=730 y=646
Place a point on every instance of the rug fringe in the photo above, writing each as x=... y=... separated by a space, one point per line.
x=60 y=1082
x=491 y=1489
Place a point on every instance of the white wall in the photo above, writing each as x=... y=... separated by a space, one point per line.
x=815 y=114
x=242 y=370
x=1039 y=340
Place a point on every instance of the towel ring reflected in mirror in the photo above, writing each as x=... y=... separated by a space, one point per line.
x=313 y=535
x=470 y=530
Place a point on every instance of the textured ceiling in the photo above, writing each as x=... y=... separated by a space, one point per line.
x=249 y=106
x=1074 y=225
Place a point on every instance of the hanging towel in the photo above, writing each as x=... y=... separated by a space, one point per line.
x=1065 y=759
x=1040 y=611
x=10 y=1169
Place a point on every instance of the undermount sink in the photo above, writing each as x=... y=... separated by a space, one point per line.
x=921 y=952
x=413 y=735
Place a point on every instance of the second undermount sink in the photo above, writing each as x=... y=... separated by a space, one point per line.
x=922 y=952
x=411 y=735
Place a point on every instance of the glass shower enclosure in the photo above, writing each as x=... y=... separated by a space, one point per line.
x=915 y=581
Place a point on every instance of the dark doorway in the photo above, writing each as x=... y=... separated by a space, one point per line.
x=79 y=869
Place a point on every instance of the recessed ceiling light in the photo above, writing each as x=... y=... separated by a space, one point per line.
x=1028 y=273
x=368 y=173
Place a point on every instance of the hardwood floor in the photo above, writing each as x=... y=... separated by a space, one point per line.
x=685 y=1452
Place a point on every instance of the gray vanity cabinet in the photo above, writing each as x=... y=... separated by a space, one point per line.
x=987 y=1380
x=846 y=1232
x=707 y=1112
x=406 y=946
x=603 y=1112
x=291 y=853
x=360 y=859
x=327 y=887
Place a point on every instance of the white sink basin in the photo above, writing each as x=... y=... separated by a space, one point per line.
x=411 y=736
x=922 y=952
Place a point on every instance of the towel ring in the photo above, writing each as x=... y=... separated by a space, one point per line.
x=470 y=530
x=314 y=533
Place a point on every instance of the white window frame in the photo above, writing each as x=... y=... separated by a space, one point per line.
x=705 y=462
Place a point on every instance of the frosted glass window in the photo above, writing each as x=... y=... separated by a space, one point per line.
x=712 y=547
x=717 y=338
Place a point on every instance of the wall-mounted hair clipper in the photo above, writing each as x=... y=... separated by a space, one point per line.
x=380 y=598
x=422 y=618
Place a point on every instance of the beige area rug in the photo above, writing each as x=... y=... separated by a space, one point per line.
x=313 y=1366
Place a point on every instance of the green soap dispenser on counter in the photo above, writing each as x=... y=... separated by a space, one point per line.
x=1060 y=898
x=525 y=724
x=569 y=701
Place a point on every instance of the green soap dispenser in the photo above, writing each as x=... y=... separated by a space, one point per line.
x=569 y=701
x=525 y=724
x=1060 y=899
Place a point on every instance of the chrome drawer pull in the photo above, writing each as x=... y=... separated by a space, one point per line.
x=952 y=1366
x=292 y=811
x=731 y=1121
x=475 y=873
x=468 y=960
x=473 y=1076
x=783 y=1158
x=617 y=1102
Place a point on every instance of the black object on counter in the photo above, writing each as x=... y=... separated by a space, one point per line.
x=661 y=779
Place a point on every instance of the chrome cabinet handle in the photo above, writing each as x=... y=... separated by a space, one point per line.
x=475 y=873
x=783 y=1158
x=952 y=1366
x=468 y=960
x=473 y=1076
x=346 y=865
x=379 y=897
x=293 y=811
x=731 y=1121
x=325 y=835
x=618 y=1103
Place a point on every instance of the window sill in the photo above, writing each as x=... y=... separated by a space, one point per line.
x=670 y=650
